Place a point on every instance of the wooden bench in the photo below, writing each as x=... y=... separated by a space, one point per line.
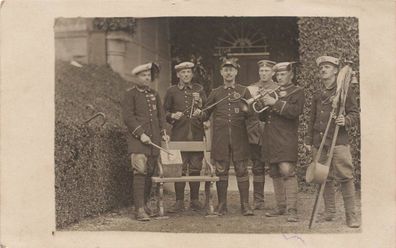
x=208 y=172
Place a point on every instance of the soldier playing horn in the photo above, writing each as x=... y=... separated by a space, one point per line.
x=280 y=142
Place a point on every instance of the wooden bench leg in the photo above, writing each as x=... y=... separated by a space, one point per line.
x=209 y=199
x=161 y=210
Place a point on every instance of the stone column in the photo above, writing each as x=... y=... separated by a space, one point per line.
x=116 y=50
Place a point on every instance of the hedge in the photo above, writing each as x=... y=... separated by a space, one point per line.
x=326 y=36
x=92 y=172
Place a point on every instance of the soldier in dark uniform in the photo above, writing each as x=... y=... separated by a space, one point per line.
x=182 y=106
x=341 y=165
x=280 y=139
x=145 y=119
x=255 y=129
x=230 y=140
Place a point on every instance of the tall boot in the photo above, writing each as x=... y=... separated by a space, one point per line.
x=258 y=191
x=291 y=187
x=147 y=196
x=243 y=188
x=222 y=187
x=280 y=197
x=138 y=197
x=329 y=200
x=179 y=205
x=348 y=193
x=195 y=205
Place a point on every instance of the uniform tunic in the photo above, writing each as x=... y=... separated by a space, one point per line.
x=229 y=128
x=320 y=113
x=179 y=98
x=143 y=113
x=281 y=127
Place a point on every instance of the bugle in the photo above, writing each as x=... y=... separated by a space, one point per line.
x=260 y=94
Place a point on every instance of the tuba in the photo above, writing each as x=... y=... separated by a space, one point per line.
x=259 y=94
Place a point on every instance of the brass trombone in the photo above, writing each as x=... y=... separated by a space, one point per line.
x=261 y=93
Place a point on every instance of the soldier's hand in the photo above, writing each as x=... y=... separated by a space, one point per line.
x=308 y=147
x=268 y=100
x=340 y=121
x=197 y=112
x=165 y=138
x=145 y=139
x=176 y=115
x=196 y=96
x=206 y=124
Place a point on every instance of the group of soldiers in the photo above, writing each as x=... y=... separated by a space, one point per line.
x=267 y=137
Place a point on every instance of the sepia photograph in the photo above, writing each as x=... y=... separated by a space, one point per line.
x=207 y=124
x=180 y=123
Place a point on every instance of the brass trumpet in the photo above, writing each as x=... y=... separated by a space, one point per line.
x=260 y=94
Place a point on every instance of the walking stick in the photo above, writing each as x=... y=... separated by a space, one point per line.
x=345 y=76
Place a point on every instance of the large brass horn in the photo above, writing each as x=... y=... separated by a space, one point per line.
x=254 y=100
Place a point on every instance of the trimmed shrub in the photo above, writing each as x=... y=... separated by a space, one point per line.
x=92 y=172
x=326 y=36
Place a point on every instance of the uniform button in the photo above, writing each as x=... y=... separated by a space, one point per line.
x=268 y=122
x=321 y=133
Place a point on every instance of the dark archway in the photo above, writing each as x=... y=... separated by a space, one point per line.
x=206 y=39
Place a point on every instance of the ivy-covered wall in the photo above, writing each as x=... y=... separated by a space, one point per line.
x=338 y=37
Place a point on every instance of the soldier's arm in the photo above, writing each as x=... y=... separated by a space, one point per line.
x=312 y=116
x=129 y=115
x=161 y=114
x=250 y=113
x=292 y=108
x=168 y=102
x=352 y=109
x=211 y=99
x=203 y=97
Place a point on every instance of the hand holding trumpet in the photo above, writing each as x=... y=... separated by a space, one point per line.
x=268 y=100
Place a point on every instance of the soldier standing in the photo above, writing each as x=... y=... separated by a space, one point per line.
x=182 y=106
x=144 y=117
x=255 y=132
x=280 y=143
x=230 y=139
x=341 y=164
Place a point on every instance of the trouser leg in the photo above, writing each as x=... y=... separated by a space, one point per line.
x=195 y=170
